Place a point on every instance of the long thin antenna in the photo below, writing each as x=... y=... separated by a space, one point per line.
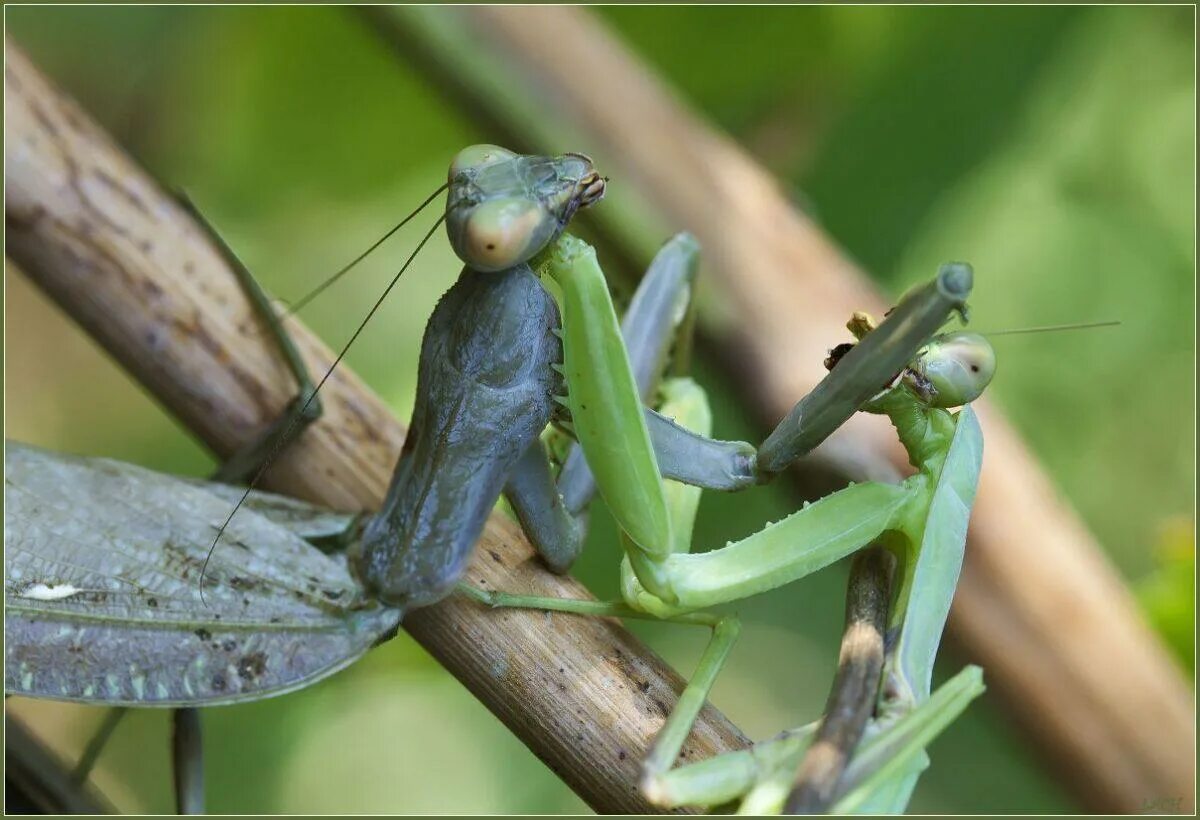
x=1050 y=328
x=287 y=433
x=315 y=292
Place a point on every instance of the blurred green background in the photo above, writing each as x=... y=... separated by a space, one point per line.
x=1052 y=147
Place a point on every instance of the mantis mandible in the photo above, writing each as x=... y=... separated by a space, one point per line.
x=528 y=338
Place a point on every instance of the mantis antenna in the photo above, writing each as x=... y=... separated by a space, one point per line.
x=1051 y=328
x=312 y=294
x=287 y=433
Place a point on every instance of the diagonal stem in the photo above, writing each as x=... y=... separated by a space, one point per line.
x=855 y=687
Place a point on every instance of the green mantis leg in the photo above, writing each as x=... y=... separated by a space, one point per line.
x=883 y=771
x=656 y=332
x=670 y=738
x=877 y=780
x=302 y=410
x=605 y=404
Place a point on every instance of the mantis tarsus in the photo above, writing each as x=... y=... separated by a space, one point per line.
x=522 y=358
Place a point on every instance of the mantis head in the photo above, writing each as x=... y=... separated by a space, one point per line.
x=953 y=369
x=503 y=208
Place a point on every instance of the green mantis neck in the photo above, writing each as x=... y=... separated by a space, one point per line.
x=924 y=431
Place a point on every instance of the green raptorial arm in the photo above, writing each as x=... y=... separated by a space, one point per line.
x=804 y=542
x=606 y=411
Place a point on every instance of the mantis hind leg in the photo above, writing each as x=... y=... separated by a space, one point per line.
x=240 y=468
x=302 y=410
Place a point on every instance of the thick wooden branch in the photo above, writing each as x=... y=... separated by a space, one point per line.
x=1039 y=604
x=127 y=262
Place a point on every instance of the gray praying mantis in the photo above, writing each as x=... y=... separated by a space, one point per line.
x=524 y=367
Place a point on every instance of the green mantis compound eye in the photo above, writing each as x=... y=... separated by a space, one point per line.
x=474 y=157
x=959 y=366
x=500 y=233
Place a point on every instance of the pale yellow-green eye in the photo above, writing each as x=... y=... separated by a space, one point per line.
x=500 y=233
x=959 y=366
x=477 y=156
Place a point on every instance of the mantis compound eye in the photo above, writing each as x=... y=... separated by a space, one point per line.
x=959 y=366
x=477 y=156
x=500 y=233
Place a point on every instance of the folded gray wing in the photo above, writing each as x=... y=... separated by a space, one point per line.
x=103 y=590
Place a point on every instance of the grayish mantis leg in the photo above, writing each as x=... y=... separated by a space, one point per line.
x=187 y=756
x=302 y=410
x=240 y=468
x=655 y=323
x=866 y=369
x=698 y=460
x=863 y=372
x=556 y=533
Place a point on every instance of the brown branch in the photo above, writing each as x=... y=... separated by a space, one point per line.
x=125 y=260
x=855 y=687
x=1039 y=605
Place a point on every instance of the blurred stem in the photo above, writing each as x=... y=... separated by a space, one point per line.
x=36 y=780
x=855 y=688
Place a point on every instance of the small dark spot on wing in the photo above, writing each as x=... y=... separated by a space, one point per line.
x=252 y=666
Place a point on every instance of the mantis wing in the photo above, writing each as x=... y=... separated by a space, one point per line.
x=103 y=590
x=938 y=564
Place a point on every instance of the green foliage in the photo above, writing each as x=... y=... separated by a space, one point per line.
x=1168 y=594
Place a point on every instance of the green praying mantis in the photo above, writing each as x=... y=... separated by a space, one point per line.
x=529 y=387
